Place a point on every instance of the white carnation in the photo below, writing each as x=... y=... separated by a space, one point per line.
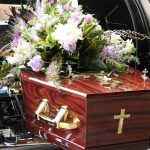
x=67 y=32
x=129 y=44
x=128 y=48
x=23 y=52
x=115 y=38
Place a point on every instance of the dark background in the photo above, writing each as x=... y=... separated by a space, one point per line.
x=12 y=1
x=111 y=13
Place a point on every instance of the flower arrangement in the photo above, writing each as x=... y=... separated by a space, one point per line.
x=57 y=37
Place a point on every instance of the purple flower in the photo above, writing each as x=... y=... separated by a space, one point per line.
x=110 y=52
x=36 y=63
x=17 y=35
x=114 y=53
x=70 y=46
x=51 y=1
x=76 y=17
x=69 y=8
x=88 y=19
x=106 y=49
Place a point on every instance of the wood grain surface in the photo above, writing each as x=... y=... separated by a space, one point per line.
x=95 y=105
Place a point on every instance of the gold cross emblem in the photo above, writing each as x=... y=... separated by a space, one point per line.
x=121 y=118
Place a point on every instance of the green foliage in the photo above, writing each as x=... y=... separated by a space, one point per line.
x=117 y=66
x=88 y=29
x=47 y=55
x=89 y=52
x=4 y=69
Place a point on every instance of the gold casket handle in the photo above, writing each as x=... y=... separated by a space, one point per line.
x=43 y=108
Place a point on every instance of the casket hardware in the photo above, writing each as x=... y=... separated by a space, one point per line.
x=63 y=113
x=121 y=118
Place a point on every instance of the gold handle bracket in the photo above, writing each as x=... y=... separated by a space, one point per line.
x=14 y=88
x=63 y=114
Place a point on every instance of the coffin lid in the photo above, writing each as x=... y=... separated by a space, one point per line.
x=132 y=81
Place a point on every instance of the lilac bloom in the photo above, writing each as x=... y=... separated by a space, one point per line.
x=51 y=1
x=17 y=35
x=70 y=46
x=114 y=53
x=69 y=8
x=36 y=63
x=110 y=52
x=88 y=19
x=76 y=17
x=106 y=49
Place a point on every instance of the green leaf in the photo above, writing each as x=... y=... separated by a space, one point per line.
x=91 y=52
x=26 y=35
x=48 y=6
x=119 y=66
x=94 y=48
x=47 y=55
x=18 y=71
x=84 y=45
x=98 y=65
x=4 y=69
x=95 y=34
x=50 y=39
x=134 y=50
x=88 y=30
x=72 y=62
x=48 y=30
x=46 y=44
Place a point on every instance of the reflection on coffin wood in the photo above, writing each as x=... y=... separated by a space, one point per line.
x=95 y=106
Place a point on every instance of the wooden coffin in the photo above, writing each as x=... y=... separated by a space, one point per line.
x=107 y=115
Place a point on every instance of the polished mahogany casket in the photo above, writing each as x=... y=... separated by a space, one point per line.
x=85 y=114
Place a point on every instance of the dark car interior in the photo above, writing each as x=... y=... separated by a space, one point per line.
x=112 y=14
